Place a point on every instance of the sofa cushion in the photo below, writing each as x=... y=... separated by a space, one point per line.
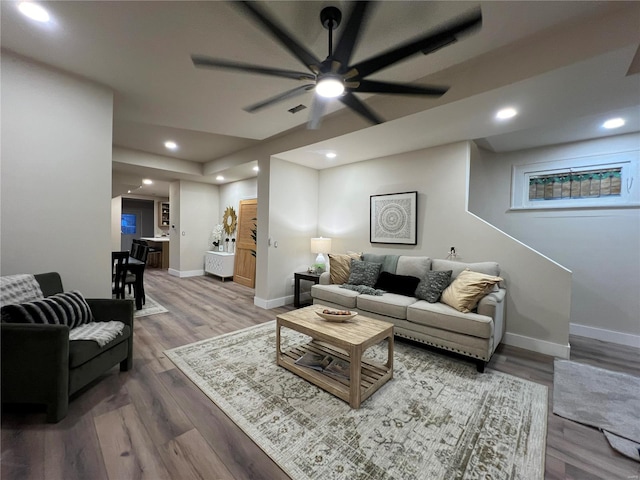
x=389 y=262
x=489 y=268
x=334 y=294
x=400 y=284
x=69 y=308
x=439 y=315
x=363 y=273
x=340 y=266
x=389 y=304
x=414 y=266
x=81 y=351
x=467 y=289
x=432 y=285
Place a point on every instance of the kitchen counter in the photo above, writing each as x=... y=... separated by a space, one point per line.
x=163 y=244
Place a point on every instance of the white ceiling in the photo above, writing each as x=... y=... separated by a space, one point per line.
x=142 y=51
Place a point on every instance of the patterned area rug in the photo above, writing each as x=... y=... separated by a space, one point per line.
x=150 y=307
x=600 y=398
x=436 y=419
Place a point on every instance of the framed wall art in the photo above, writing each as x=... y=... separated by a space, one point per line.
x=394 y=219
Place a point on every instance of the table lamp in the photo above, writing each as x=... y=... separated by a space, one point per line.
x=320 y=245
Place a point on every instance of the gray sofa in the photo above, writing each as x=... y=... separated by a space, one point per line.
x=475 y=334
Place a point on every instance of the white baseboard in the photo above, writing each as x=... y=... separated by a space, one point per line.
x=612 y=336
x=186 y=273
x=536 y=345
x=274 y=303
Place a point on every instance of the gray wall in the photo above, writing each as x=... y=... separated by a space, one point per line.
x=56 y=171
x=194 y=207
x=539 y=290
x=600 y=246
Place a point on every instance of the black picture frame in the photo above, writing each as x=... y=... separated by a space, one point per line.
x=393 y=218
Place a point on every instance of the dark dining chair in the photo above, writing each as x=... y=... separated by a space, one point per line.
x=135 y=276
x=120 y=262
x=155 y=254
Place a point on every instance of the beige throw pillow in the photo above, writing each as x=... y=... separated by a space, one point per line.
x=340 y=266
x=467 y=289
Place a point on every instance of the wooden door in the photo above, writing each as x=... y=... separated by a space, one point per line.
x=244 y=271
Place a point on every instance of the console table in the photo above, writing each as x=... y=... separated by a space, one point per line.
x=219 y=264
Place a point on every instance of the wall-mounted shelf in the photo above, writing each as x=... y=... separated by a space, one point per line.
x=163 y=214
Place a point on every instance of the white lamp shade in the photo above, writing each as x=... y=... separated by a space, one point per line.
x=320 y=245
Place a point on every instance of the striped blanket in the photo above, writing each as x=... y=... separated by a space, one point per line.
x=22 y=301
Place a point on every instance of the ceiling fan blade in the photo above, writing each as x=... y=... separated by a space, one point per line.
x=202 y=61
x=370 y=86
x=349 y=37
x=317 y=111
x=350 y=100
x=298 y=51
x=278 y=98
x=444 y=35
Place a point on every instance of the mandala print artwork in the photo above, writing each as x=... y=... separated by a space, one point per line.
x=393 y=218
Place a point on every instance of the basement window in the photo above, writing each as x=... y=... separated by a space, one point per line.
x=586 y=182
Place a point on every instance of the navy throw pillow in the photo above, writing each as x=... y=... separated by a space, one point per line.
x=400 y=284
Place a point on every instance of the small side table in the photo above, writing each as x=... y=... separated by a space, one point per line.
x=312 y=277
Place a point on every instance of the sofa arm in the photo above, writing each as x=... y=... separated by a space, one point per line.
x=325 y=278
x=492 y=305
x=487 y=304
x=106 y=309
x=35 y=366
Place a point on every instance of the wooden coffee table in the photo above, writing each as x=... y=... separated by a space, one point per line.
x=347 y=341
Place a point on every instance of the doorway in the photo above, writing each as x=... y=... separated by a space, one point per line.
x=244 y=271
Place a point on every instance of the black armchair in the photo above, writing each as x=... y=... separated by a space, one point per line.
x=40 y=365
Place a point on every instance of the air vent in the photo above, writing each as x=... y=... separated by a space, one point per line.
x=297 y=108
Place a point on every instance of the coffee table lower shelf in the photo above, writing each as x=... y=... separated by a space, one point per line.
x=372 y=375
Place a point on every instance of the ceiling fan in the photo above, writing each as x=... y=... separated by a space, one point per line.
x=334 y=77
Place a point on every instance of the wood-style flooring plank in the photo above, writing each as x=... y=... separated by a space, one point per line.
x=127 y=448
x=189 y=456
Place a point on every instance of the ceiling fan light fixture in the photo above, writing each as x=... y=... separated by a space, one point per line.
x=330 y=87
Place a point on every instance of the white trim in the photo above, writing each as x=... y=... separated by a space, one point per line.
x=274 y=303
x=536 y=345
x=612 y=336
x=186 y=273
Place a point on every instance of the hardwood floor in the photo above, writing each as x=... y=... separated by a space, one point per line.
x=153 y=423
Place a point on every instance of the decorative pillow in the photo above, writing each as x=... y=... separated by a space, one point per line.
x=400 y=284
x=432 y=285
x=467 y=289
x=363 y=273
x=340 y=266
x=69 y=308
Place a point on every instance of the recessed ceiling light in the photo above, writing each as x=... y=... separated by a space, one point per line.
x=34 y=11
x=146 y=181
x=219 y=177
x=171 y=145
x=256 y=169
x=506 y=113
x=331 y=155
x=613 y=123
